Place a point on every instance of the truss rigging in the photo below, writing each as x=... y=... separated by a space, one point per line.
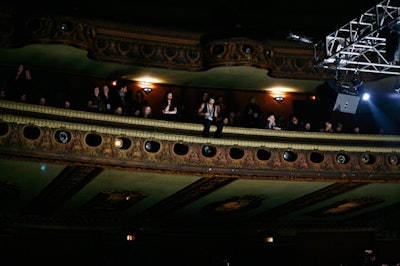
x=361 y=44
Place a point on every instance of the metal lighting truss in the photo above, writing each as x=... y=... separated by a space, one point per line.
x=360 y=45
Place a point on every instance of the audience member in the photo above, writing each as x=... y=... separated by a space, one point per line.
x=95 y=101
x=119 y=102
x=252 y=114
x=199 y=119
x=146 y=112
x=41 y=101
x=339 y=128
x=232 y=120
x=271 y=122
x=168 y=108
x=13 y=84
x=209 y=112
x=327 y=127
x=294 y=124
x=222 y=109
x=138 y=104
x=356 y=130
x=307 y=127
x=107 y=99
x=67 y=104
x=26 y=88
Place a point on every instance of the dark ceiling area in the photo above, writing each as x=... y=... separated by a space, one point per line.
x=256 y=19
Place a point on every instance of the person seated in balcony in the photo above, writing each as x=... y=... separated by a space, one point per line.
x=252 y=113
x=327 y=127
x=232 y=120
x=210 y=113
x=95 y=101
x=271 y=122
x=106 y=98
x=119 y=101
x=294 y=124
x=138 y=104
x=168 y=108
x=146 y=112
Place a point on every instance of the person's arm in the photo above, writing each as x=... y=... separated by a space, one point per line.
x=216 y=111
x=174 y=111
x=91 y=106
x=199 y=111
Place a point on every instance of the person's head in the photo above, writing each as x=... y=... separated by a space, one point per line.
x=211 y=99
x=139 y=95
x=271 y=117
x=42 y=101
x=118 y=111
x=146 y=110
x=106 y=89
x=28 y=74
x=20 y=68
x=96 y=90
x=169 y=95
x=295 y=120
x=307 y=126
x=328 y=125
x=123 y=89
x=253 y=99
x=205 y=96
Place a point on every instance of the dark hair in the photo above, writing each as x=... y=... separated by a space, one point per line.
x=210 y=96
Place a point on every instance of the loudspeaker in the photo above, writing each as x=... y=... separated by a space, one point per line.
x=346 y=103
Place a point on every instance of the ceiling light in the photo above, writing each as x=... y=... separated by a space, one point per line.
x=279 y=99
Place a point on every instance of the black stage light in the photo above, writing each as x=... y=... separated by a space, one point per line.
x=209 y=151
x=342 y=158
x=152 y=146
x=289 y=156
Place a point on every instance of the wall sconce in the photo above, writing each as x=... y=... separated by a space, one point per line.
x=146 y=86
x=279 y=99
x=147 y=90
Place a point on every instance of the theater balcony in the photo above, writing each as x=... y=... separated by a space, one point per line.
x=109 y=170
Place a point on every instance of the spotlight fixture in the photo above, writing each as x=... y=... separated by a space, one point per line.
x=342 y=159
x=269 y=239
x=279 y=99
x=152 y=146
x=208 y=151
x=289 y=156
x=393 y=159
x=118 y=143
x=368 y=158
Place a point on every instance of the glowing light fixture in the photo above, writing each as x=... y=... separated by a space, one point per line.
x=118 y=143
x=146 y=86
